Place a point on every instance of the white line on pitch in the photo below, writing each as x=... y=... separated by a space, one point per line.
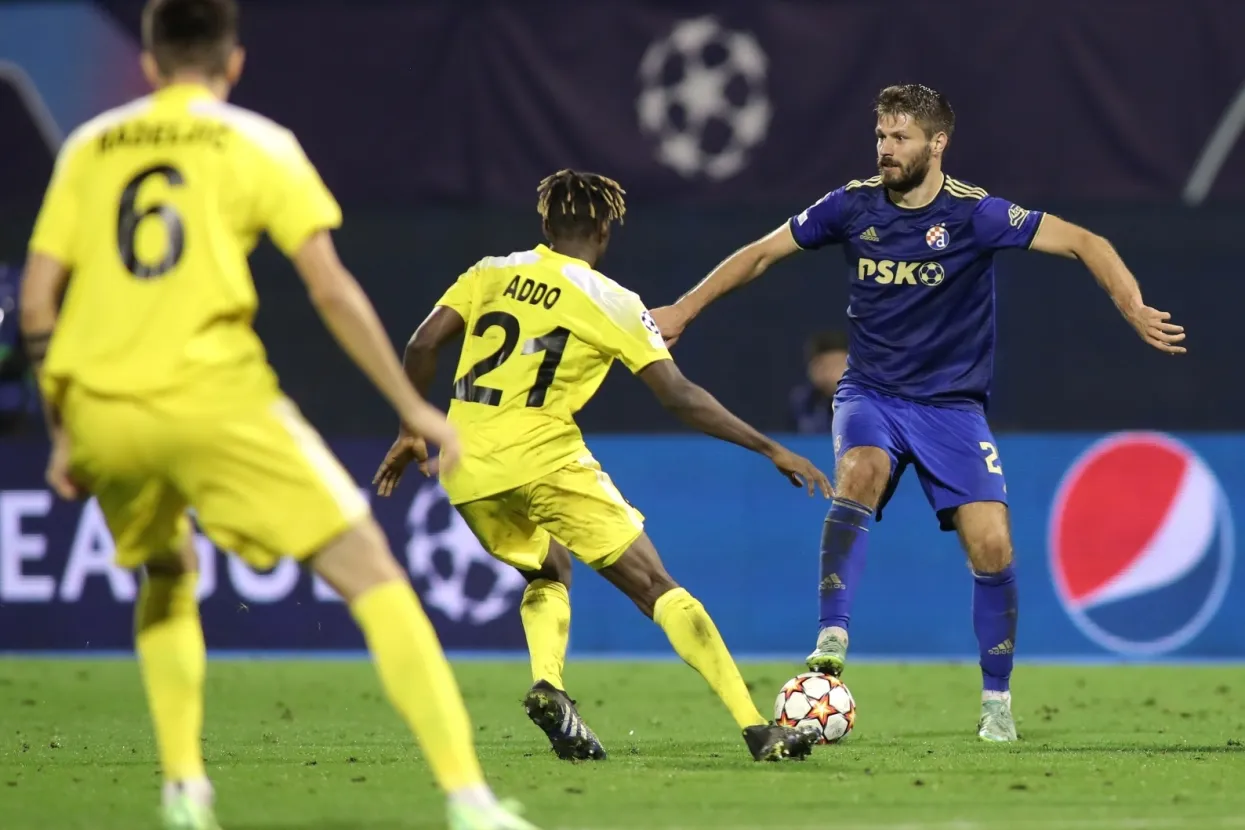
x=1224 y=823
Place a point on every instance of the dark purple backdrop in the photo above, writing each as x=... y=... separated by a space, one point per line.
x=473 y=101
x=433 y=121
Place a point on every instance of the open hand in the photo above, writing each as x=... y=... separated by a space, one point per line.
x=1154 y=328
x=670 y=322
x=801 y=472
x=406 y=449
x=58 y=473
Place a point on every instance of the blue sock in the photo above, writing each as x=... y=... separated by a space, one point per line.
x=844 y=540
x=994 y=622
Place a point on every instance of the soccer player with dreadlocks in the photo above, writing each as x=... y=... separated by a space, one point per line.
x=543 y=327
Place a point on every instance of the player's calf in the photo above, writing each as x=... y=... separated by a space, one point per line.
x=983 y=531
x=173 y=663
x=862 y=476
x=640 y=574
x=413 y=670
x=545 y=611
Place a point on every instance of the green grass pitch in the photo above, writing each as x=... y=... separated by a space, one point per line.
x=305 y=744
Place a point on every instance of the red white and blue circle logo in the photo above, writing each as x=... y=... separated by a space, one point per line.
x=937 y=237
x=1141 y=543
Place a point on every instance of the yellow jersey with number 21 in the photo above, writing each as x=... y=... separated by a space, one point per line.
x=155 y=207
x=541 y=332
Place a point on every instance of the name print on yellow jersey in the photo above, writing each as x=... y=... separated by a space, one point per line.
x=533 y=292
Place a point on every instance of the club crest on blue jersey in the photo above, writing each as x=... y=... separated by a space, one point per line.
x=937 y=237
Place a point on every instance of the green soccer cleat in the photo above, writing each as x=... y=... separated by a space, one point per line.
x=181 y=812
x=830 y=656
x=504 y=815
x=996 y=724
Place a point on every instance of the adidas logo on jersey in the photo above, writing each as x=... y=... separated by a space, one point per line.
x=870 y=235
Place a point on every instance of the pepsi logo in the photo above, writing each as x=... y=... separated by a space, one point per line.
x=1141 y=543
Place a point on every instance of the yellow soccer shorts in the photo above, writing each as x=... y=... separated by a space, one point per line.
x=578 y=505
x=259 y=478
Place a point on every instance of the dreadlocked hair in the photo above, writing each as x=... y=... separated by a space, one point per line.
x=574 y=204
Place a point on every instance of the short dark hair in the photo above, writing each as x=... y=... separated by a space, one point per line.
x=579 y=205
x=190 y=34
x=824 y=342
x=926 y=106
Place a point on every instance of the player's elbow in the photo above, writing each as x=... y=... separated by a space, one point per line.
x=37 y=315
x=1086 y=245
x=760 y=255
x=438 y=327
x=421 y=344
x=327 y=295
x=679 y=396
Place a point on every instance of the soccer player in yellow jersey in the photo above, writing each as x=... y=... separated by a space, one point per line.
x=160 y=398
x=543 y=328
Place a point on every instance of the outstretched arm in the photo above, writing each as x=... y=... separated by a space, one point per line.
x=698 y=409
x=419 y=361
x=350 y=317
x=740 y=268
x=823 y=223
x=1056 y=236
x=420 y=358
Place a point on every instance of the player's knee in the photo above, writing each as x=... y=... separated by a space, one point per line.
x=862 y=475
x=657 y=585
x=990 y=552
x=357 y=561
x=176 y=563
x=555 y=568
x=642 y=586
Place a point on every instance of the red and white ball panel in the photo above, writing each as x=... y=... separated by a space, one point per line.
x=818 y=700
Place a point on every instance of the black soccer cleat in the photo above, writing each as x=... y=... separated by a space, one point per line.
x=772 y=742
x=554 y=712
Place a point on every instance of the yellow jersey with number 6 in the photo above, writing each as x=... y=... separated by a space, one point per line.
x=541 y=332
x=155 y=207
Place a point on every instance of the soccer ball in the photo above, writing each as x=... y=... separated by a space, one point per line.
x=703 y=98
x=816 y=700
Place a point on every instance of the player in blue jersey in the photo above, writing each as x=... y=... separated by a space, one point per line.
x=920 y=251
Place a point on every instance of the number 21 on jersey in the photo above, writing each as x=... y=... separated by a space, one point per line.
x=468 y=387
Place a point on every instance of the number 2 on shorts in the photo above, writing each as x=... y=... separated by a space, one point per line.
x=992 y=457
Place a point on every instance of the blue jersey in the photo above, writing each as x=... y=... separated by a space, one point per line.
x=921 y=296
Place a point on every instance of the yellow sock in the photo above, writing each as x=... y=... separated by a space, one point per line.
x=546 y=614
x=173 y=662
x=696 y=639
x=418 y=681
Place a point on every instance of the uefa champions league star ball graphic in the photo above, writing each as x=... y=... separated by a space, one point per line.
x=453 y=573
x=703 y=98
